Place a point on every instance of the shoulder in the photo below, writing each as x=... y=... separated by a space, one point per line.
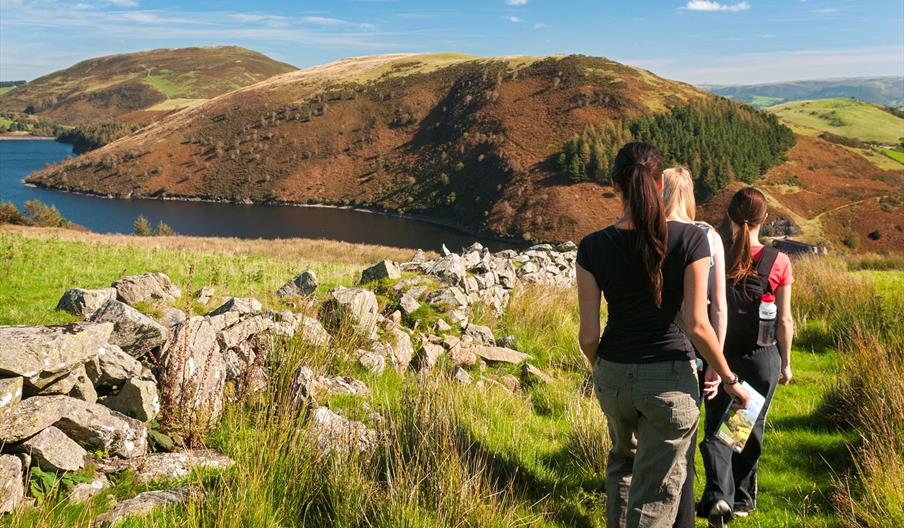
x=686 y=234
x=590 y=247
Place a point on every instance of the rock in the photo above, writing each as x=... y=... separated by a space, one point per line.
x=566 y=246
x=408 y=304
x=333 y=432
x=148 y=287
x=510 y=382
x=313 y=333
x=204 y=295
x=429 y=355
x=138 y=398
x=541 y=247
x=385 y=269
x=44 y=354
x=243 y=330
x=459 y=317
x=451 y=297
x=449 y=269
x=395 y=317
x=481 y=334
x=82 y=303
x=353 y=309
x=303 y=284
x=239 y=305
x=90 y=425
x=461 y=375
x=533 y=374
x=10 y=396
x=166 y=466
x=12 y=488
x=144 y=503
x=401 y=349
x=194 y=373
x=84 y=491
x=112 y=367
x=239 y=360
x=445 y=251
x=506 y=341
x=171 y=317
x=373 y=362
x=306 y=385
x=500 y=354
x=133 y=331
x=83 y=389
x=53 y=451
x=442 y=326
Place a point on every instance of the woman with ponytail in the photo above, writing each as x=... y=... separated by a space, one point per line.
x=755 y=274
x=644 y=373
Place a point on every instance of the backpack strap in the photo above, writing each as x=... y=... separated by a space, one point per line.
x=764 y=267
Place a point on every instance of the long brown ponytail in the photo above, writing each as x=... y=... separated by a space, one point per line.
x=747 y=209
x=636 y=172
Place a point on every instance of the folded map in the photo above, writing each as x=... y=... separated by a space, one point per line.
x=737 y=424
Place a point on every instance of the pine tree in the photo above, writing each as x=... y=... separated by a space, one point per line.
x=141 y=227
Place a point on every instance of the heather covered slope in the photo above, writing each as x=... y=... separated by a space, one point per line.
x=137 y=87
x=474 y=141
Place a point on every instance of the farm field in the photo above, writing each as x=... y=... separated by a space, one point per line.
x=844 y=117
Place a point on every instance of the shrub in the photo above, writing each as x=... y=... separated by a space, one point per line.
x=43 y=215
x=163 y=229
x=852 y=240
x=874 y=235
x=10 y=215
x=141 y=227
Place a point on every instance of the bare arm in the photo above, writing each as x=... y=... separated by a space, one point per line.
x=784 y=332
x=718 y=307
x=589 y=296
x=700 y=331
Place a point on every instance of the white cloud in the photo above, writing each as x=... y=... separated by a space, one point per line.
x=513 y=19
x=123 y=3
x=540 y=25
x=707 y=5
x=516 y=2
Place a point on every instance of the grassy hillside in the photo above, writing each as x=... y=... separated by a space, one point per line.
x=137 y=87
x=475 y=141
x=844 y=117
x=885 y=91
x=462 y=456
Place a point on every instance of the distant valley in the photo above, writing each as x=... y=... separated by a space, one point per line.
x=885 y=91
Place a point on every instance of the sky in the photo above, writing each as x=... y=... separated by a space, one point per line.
x=697 y=41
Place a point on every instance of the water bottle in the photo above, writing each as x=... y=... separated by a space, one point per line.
x=768 y=314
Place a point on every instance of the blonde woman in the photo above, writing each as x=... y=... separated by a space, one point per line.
x=680 y=206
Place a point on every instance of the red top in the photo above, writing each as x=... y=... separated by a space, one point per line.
x=781 y=270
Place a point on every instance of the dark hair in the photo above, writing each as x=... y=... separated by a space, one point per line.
x=636 y=172
x=747 y=209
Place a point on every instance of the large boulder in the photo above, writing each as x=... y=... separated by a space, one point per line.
x=113 y=367
x=10 y=395
x=148 y=287
x=12 y=487
x=166 y=466
x=355 y=309
x=91 y=425
x=82 y=303
x=137 y=398
x=385 y=269
x=53 y=451
x=303 y=284
x=133 y=331
x=145 y=503
x=44 y=354
x=193 y=374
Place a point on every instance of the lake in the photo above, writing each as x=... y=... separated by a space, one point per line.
x=19 y=158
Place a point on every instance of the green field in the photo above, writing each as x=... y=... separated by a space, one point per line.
x=896 y=155
x=762 y=101
x=461 y=456
x=4 y=89
x=844 y=117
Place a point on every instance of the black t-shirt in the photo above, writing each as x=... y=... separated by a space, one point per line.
x=636 y=330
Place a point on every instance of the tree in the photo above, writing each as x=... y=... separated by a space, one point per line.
x=141 y=227
x=163 y=229
x=43 y=215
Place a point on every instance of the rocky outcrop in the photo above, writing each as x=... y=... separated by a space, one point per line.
x=134 y=332
x=83 y=303
x=44 y=354
x=148 y=287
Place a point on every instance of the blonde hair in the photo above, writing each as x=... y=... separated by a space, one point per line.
x=678 y=191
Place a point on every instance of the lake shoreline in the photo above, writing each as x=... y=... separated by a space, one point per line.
x=27 y=138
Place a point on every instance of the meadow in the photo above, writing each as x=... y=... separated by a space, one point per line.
x=844 y=117
x=461 y=456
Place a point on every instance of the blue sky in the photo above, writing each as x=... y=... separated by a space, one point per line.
x=698 y=41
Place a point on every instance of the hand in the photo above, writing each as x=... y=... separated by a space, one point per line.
x=786 y=375
x=739 y=393
x=711 y=381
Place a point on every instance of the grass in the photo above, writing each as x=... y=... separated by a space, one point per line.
x=844 y=117
x=4 y=89
x=762 y=101
x=465 y=456
x=176 y=103
x=896 y=155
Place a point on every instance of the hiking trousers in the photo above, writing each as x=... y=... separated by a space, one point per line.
x=652 y=412
x=731 y=476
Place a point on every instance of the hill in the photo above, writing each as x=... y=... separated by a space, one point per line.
x=844 y=117
x=885 y=91
x=514 y=146
x=139 y=87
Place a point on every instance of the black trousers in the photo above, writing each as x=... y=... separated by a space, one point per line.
x=731 y=476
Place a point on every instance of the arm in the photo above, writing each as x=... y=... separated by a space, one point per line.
x=784 y=332
x=718 y=307
x=589 y=296
x=700 y=331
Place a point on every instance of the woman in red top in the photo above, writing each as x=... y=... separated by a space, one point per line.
x=751 y=270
